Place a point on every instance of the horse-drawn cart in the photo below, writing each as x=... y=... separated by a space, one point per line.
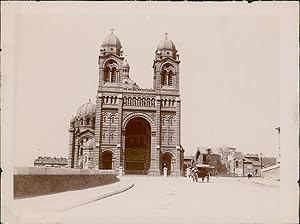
x=204 y=170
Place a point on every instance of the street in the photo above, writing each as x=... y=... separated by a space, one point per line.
x=178 y=200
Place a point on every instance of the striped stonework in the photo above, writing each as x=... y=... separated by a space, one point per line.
x=131 y=127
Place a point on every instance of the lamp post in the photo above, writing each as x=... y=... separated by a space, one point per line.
x=278 y=131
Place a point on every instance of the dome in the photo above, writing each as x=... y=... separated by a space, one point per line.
x=126 y=64
x=87 y=109
x=129 y=83
x=166 y=44
x=111 y=40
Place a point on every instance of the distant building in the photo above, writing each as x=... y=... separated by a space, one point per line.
x=252 y=165
x=269 y=161
x=238 y=164
x=50 y=162
x=210 y=157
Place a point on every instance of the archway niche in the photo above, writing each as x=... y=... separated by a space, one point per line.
x=137 y=146
x=166 y=161
x=107 y=160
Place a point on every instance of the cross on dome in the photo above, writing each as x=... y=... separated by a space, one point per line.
x=112 y=30
x=166 y=34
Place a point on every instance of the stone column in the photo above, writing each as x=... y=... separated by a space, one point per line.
x=178 y=137
x=122 y=151
x=157 y=80
x=119 y=132
x=71 y=147
x=76 y=152
x=98 y=126
x=101 y=78
x=155 y=142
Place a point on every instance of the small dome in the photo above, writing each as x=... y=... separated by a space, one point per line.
x=111 y=40
x=126 y=64
x=129 y=83
x=166 y=44
x=87 y=109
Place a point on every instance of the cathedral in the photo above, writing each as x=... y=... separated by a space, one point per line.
x=131 y=127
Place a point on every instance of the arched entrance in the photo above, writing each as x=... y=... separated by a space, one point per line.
x=107 y=160
x=166 y=161
x=137 y=146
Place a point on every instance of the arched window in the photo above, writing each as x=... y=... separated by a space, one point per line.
x=153 y=102
x=103 y=135
x=171 y=138
x=104 y=119
x=236 y=164
x=164 y=78
x=87 y=121
x=106 y=74
x=112 y=119
x=170 y=77
x=113 y=75
x=81 y=151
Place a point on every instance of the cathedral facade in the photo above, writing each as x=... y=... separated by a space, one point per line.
x=131 y=127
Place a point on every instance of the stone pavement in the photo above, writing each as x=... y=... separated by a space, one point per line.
x=66 y=200
x=173 y=200
x=261 y=181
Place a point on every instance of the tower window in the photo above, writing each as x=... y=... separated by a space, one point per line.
x=106 y=75
x=113 y=75
x=170 y=83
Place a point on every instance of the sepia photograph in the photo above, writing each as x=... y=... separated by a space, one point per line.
x=149 y=112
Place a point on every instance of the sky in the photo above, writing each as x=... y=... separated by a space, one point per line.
x=229 y=70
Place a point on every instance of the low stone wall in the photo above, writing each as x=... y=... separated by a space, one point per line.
x=272 y=172
x=35 y=181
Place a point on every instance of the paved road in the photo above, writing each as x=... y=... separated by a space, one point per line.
x=179 y=200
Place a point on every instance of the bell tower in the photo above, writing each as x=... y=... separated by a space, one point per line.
x=166 y=66
x=111 y=62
